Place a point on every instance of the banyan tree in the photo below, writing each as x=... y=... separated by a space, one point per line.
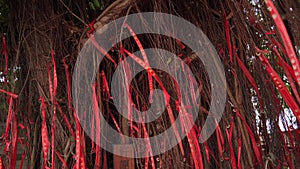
x=238 y=64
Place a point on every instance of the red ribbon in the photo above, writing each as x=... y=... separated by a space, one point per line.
x=97 y=117
x=229 y=137
x=1 y=163
x=249 y=77
x=228 y=39
x=78 y=143
x=285 y=38
x=14 y=138
x=9 y=93
x=68 y=83
x=64 y=163
x=101 y=50
x=253 y=141
x=289 y=73
x=280 y=86
x=45 y=139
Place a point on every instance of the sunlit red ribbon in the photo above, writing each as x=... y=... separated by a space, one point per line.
x=77 y=140
x=140 y=46
x=97 y=118
x=1 y=163
x=45 y=139
x=289 y=73
x=285 y=38
x=280 y=86
x=186 y=120
x=9 y=93
x=82 y=156
x=101 y=50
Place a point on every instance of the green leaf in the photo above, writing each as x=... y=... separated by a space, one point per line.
x=96 y=4
x=92 y=6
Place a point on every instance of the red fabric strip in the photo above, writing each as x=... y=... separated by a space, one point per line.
x=91 y=26
x=176 y=132
x=53 y=137
x=54 y=74
x=289 y=72
x=276 y=43
x=289 y=69
x=9 y=93
x=151 y=71
x=66 y=120
x=195 y=149
x=1 y=163
x=229 y=137
x=272 y=32
x=140 y=46
x=77 y=140
x=97 y=118
x=101 y=50
x=68 y=84
x=211 y=153
x=14 y=138
x=117 y=126
x=252 y=137
x=220 y=140
x=45 y=139
x=249 y=77
x=207 y=152
x=180 y=44
x=285 y=38
x=127 y=73
x=148 y=146
x=192 y=89
x=82 y=156
x=281 y=87
x=239 y=153
x=186 y=119
x=93 y=133
x=228 y=39
x=64 y=163
x=105 y=87
x=52 y=90
x=104 y=166
x=53 y=127
x=50 y=83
